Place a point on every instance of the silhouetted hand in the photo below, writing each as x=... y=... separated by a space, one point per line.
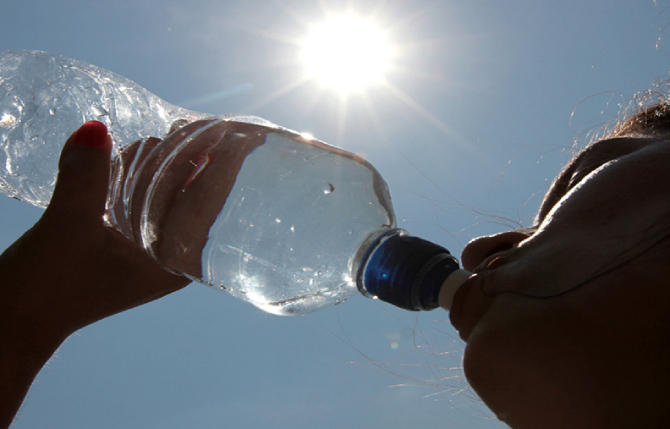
x=69 y=270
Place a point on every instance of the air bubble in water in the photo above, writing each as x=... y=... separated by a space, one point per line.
x=328 y=188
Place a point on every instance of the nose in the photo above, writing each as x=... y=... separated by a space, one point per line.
x=477 y=250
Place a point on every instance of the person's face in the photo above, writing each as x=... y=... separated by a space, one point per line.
x=567 y=323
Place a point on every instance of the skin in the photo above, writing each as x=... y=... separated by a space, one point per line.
x=567 y=322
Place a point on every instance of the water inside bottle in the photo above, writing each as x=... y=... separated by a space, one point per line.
x=270 y=216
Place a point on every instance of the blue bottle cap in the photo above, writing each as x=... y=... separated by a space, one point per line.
x=405 y=271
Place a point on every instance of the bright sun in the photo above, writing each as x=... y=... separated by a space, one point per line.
x=346 y=54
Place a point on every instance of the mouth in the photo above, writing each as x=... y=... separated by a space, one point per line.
x=457 y=307
x=470 y=304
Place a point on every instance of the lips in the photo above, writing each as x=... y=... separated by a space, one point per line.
x=460 y=298
x=469 y=306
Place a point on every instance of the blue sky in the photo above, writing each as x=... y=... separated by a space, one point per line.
x=488 y=98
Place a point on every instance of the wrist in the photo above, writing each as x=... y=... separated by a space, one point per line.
x=25 y=346
x=27 y=324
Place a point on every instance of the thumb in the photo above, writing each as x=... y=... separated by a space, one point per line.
x=83 y=174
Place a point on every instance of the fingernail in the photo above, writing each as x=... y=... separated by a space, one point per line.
x=92 y=134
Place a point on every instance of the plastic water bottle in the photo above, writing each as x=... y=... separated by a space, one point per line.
x=276 y=218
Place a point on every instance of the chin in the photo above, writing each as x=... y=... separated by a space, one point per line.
x=534 y=370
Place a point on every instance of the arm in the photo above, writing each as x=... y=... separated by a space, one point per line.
x=69 y=270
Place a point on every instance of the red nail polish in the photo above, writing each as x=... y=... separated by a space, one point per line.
x=91 y=134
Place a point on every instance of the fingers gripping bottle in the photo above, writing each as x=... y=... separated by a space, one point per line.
x=278 y=219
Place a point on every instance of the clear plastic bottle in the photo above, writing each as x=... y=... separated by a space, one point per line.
x=283 y=221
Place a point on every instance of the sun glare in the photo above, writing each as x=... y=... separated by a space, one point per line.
x=346 y=54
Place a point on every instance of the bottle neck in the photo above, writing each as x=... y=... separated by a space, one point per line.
x=405 y=271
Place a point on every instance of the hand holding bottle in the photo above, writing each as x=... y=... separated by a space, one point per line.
x=70 y=269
